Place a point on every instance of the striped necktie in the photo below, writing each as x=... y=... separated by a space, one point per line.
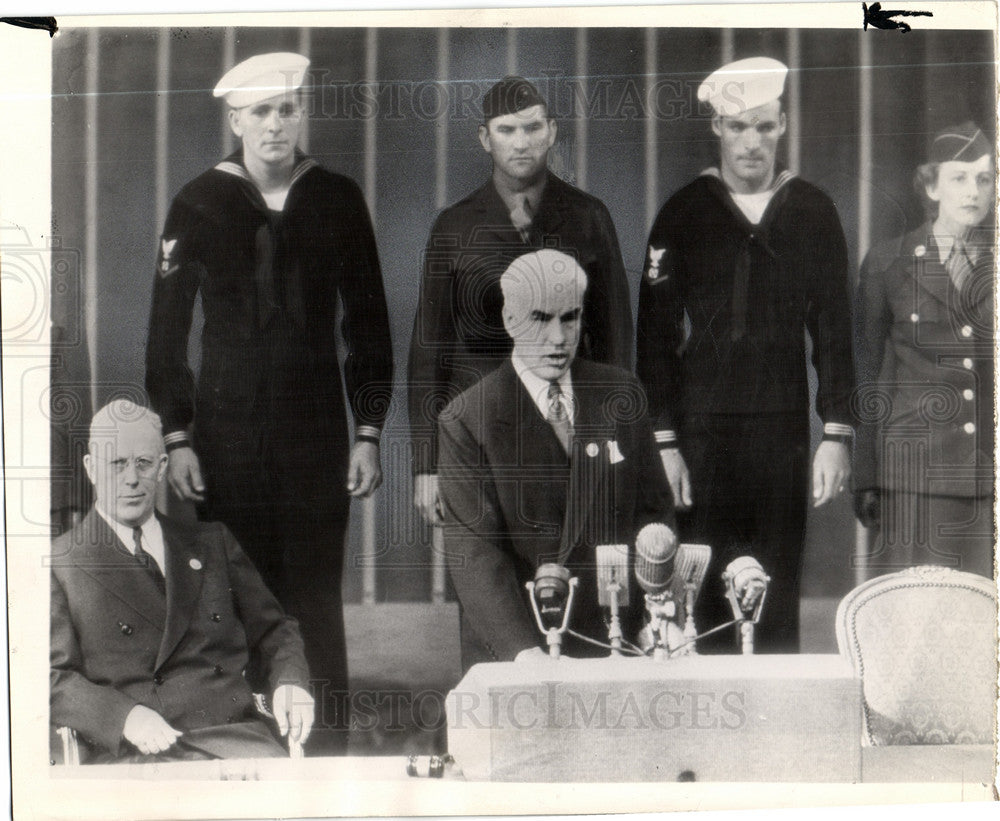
x=557 y=416
x=148 y=562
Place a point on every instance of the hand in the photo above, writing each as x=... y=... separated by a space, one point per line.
x=531 y=654
x=364 y=474
x=677 y=474
x=868 y=507
x=184 y=474
x=426 y=499
x=147 y=731
x=294 y=710
x=831 y=468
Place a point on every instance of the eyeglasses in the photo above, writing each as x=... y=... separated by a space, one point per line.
x=143 y=465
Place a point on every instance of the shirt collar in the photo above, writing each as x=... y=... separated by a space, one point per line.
x=538 y=388
x=152 y=535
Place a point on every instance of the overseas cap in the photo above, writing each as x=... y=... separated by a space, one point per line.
x=963 y=143
x=262 y=76
x=745 y=84
x=510 y=95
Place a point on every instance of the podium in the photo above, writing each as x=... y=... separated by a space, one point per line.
x=696 y=718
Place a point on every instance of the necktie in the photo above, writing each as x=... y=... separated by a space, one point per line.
x=147 y=561
x=521 y=217
x=557 y=416
x=959 y=266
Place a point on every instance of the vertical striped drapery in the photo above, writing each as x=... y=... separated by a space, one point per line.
x=858 y=121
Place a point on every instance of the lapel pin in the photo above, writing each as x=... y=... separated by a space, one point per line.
x=592 y=449
x=195 y=564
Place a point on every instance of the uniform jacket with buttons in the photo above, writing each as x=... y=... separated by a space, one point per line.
x=513 y=500
x=458 y=334
x=116 y=642
x=925 y=370
x=746 y=293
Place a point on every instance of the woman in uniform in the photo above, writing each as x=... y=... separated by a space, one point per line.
x=924 y=468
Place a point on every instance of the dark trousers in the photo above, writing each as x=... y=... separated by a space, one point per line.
x=285 y=501
x=951 y=531
x=750 y=485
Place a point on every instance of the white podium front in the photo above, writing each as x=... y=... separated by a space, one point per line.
x=704 y=718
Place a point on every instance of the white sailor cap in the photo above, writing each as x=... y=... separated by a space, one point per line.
x=262 y=76
x=745 y=84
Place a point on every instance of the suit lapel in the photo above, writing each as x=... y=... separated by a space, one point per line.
x=184 y=574
x=552 y=210
x=105 y=559
x=930 y=273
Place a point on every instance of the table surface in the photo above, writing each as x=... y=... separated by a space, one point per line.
x=945 y=764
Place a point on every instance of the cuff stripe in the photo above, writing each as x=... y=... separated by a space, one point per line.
x=837 y=429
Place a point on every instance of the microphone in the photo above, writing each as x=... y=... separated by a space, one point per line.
x=655 y=553
x=746 y=588
x=612 y=588
x=692 y=566
x=551 y=595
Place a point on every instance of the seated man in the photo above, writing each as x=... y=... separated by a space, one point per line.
x=153 y=621
x=541 y=461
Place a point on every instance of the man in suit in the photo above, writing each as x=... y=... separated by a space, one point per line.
x=541 y=461
x=273 y=242
x=458 y=334
x=153 y=621
x=741 y=262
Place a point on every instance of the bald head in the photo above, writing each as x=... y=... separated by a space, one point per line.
x=542 y=309
x=126 y=460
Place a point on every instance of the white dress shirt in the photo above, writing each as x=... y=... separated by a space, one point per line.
x=152 y=537
x=538 y=388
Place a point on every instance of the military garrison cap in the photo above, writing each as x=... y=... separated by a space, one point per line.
x=961 y=143
x=510 y=95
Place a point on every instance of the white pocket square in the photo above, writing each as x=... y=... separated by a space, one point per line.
x=614 y=454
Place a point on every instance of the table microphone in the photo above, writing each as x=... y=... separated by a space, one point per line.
x=746 y=588
x=655 y=553
x=612 y=588
x=551 y=595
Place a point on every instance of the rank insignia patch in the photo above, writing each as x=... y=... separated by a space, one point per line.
x=167 y=265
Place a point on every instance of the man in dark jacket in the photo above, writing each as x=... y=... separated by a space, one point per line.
x=751 y=258
x=541 y=461
x=458 y=336
x=272 y=240
x=153 y=621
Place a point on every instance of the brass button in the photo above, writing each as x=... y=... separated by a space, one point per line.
x=125 y=628
x=968 y=393
x=966 y=330
x=967 y=364
x=157 y=679
x=216 y=617
x=969 y=427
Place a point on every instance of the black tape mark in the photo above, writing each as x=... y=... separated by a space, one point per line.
x=877 y=18
x=48 y=24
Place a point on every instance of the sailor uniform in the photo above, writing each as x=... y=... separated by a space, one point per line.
x=733 y=392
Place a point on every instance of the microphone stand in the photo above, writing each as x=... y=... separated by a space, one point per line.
x=661 y=608
x=615 y=624
x=690 y=632
x=553 y=635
